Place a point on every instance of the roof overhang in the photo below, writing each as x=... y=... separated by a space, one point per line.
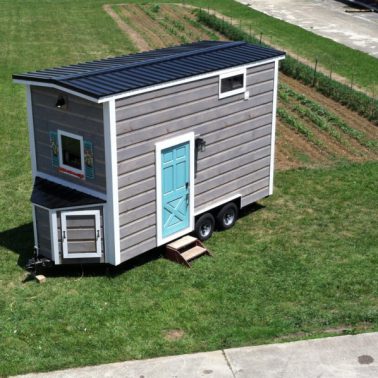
x=67 y=89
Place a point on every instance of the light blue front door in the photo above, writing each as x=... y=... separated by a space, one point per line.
x=175 y=191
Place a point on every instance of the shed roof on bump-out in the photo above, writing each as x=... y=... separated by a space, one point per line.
x=112 y=76
x=55 y=196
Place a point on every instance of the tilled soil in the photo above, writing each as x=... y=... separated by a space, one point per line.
x=135 y=37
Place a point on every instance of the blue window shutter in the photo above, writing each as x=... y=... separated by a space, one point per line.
x=54 y=148
x=89 y=160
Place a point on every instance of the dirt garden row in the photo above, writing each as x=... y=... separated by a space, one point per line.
x=312 y=130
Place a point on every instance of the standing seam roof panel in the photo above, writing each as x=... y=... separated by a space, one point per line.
x=115 y=75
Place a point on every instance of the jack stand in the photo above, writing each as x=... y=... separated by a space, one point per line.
x=34 y=263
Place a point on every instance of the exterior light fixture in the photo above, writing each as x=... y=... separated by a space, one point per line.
x=61 y=102
x=200 y=145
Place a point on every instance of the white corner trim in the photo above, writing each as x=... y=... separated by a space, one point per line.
x=273 y=135
x=216 y=204
x=159 y=146
x=66 y=253
x=54 y=237
x=235 y=72
x=35 y=232
x=111 y=209
x=29 y=109
x=149 y=88
x=67 y=167
x=68 y=184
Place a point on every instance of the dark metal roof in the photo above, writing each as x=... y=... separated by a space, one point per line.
x=121 y=74
x=54 y=196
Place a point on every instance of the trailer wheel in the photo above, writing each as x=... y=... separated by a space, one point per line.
x=227 y=216
x=204 y=226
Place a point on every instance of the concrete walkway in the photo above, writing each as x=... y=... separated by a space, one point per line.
x=342 y=356
x=326 y=18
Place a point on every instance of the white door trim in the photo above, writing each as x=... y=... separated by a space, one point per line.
x=159 y=146
x=66 y=253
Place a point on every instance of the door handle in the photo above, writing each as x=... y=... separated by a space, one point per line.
x=98 y=234
x=64 y=234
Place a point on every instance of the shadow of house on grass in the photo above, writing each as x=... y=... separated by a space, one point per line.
x=20 y=240
x=250 y=209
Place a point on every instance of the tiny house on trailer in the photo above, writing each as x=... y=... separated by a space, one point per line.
x=132 y=152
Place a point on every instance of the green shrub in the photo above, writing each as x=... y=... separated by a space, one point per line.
x=155 y=8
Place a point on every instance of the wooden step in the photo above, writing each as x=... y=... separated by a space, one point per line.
x=194 y=252
x=184 y=250
x=183 y=242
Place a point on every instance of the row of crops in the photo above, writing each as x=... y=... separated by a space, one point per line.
x=307 y=117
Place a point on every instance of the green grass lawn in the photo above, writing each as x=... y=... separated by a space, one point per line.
x=302 y=264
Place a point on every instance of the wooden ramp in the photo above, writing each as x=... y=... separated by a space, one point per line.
x=184 y=250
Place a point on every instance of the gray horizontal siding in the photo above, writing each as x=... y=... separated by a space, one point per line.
x=42 y=218
x=183 y=124
x=81 y=117
x=236 y=160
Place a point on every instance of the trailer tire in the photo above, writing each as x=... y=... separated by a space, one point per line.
x=227 y=216
x=204 y=227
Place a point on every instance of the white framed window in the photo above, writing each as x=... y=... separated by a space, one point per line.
x=232 y=83
x=71 y=154
x=81 y=233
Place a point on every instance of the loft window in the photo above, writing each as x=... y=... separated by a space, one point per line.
x=232 y=83
x=71 y=154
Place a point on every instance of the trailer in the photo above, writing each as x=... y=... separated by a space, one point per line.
x=134 y=152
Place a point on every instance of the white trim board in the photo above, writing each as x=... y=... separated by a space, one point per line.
x=111 y=209
x=216 y=204
x=78 y=207
x=151 y=87
x=35 y=232
x=55 y=86
x=159 y=146
x=29 y=108
x=273 y=134
x=63 y=220
x=68 y=167
x=232 y=73
x=54 y=237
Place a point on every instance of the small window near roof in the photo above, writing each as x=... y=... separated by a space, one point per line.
x=71 y=154
x=232 y=83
